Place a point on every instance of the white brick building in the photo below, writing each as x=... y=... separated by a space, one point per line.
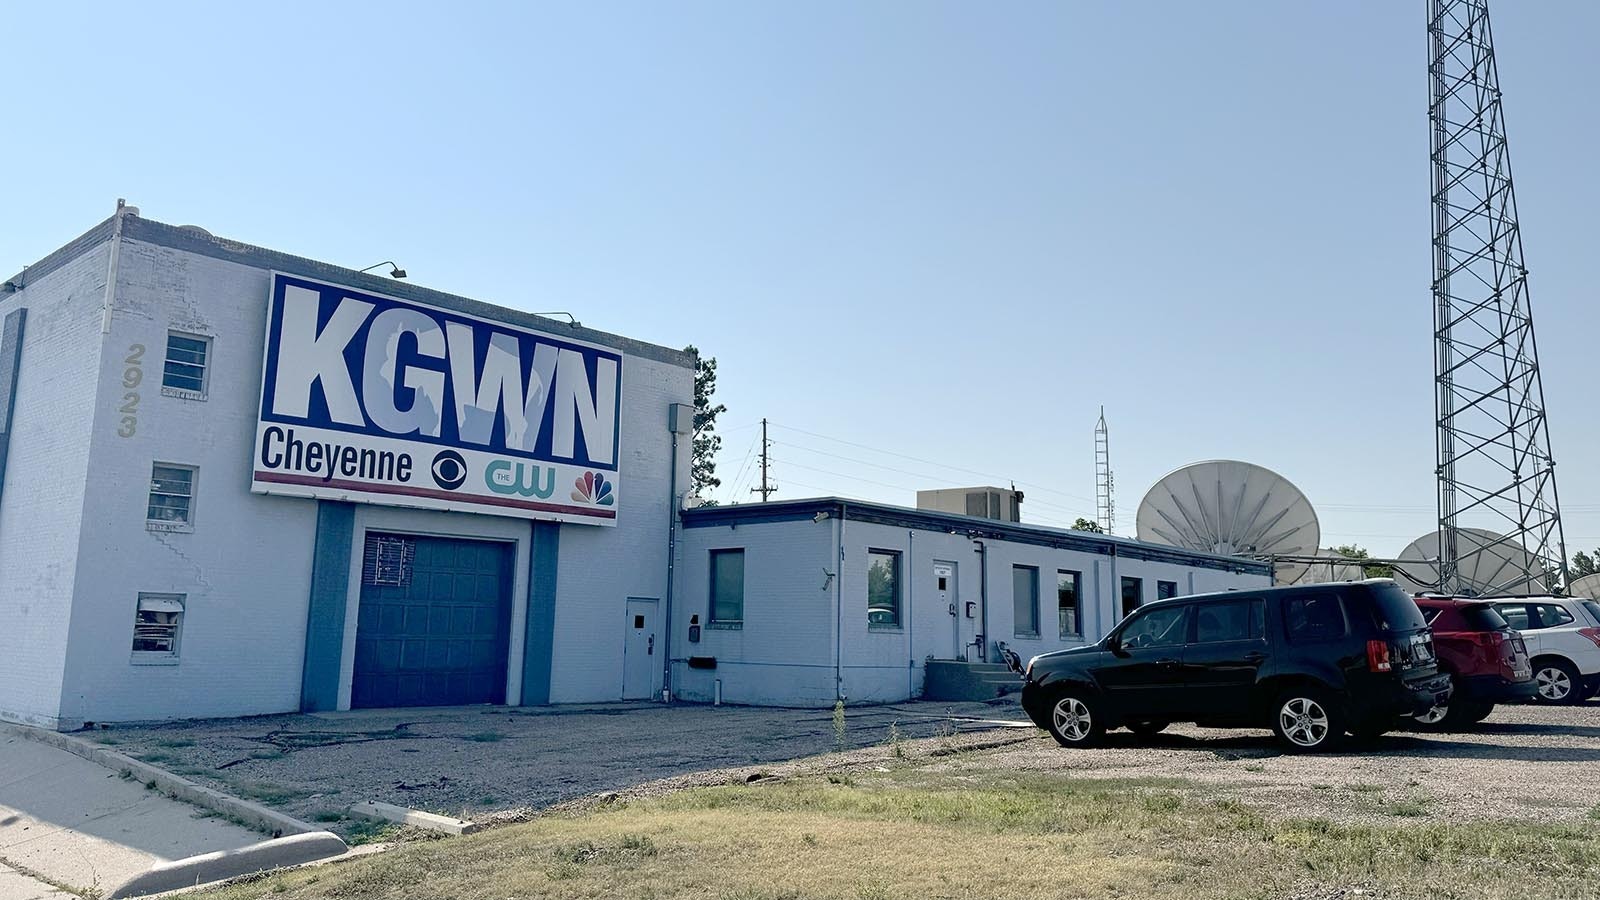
x=193 y=527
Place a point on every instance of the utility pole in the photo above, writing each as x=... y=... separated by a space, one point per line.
x=1499 y=520
x=767 y=487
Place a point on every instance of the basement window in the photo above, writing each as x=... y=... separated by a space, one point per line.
x=184 y=372
x=157 y=628
x=171 y=506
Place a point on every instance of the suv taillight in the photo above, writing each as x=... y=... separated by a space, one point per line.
x=1378 y=656
x=1592 y=634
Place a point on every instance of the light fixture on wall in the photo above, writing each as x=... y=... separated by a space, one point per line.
x=571 y=319
x=394 y=270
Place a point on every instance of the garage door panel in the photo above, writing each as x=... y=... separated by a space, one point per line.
x=438 y=632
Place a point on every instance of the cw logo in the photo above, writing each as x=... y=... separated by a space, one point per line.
x=504 y=477
x=593 y=488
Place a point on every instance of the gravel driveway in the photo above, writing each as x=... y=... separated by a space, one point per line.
x=1534 y=763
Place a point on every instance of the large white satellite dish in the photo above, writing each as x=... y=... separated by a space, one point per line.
x=1232 y=508
x=1335 y=569
x=1587 y=586
x=1500 y=568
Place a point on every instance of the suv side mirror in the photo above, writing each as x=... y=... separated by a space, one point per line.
x=1114 y=644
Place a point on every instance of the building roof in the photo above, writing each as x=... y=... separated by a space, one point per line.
x=972 y=526
x=198 y=241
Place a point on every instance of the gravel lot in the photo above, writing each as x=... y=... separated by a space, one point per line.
x=1530 y=763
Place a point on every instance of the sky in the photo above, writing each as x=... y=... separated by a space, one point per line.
x=928 y=241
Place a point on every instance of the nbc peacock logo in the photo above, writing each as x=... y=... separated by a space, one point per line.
x=593 y=488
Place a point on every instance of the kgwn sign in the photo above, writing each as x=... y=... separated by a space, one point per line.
x=378 y=400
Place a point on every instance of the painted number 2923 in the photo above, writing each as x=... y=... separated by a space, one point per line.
x=132 y=377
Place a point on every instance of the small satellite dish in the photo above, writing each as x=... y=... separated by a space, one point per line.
x=1231 y=508
x=1587 y=586
x=1335 y=569
x=1501 y=568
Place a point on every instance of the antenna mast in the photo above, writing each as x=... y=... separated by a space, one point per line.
x=1495 y=469
x=1105 y=482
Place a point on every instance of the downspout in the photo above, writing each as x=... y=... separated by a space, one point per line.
x=983 y=597
x=672 y=556
x=838 y=607
x=911 y=619
x=111 y=265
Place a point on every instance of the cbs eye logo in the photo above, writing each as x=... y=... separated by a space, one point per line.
x=449 y=469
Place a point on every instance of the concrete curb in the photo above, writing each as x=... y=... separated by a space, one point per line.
x=415 y=818
x=253 y=815
x=278 y=853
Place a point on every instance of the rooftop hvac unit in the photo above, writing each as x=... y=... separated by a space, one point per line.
x=1003 y=504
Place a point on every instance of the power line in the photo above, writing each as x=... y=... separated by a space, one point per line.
x=986 y=475
x=767 y=487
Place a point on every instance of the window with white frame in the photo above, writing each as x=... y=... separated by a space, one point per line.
x=158 y=626
x=187 y=363
x=171 y=504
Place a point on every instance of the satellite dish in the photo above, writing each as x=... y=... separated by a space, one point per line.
x=1500 y=569
x=1335 y=569
x=1232 y=508
x=1587 y=586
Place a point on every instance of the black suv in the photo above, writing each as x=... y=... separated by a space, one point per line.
x=1309 y=662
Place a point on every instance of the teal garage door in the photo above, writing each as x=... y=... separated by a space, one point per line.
x=435 y=622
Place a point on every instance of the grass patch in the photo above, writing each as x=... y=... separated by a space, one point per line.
x=1367 y=788
x=358 y=830
x=1594 y=813
x=175 y=743
x=889 y=835
x=1410 y=808
x=486 y=737
x=263 y=791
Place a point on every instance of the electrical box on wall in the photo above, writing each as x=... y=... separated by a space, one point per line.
x=680 y=418
x=972 y=610
x=694 y=629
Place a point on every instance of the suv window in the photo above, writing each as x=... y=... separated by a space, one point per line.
x=1393 y=609
x=1550 y=615
x=1316 y=617
x=1516 y=615
x=1156 y=628
x=1593 y=608
x=1227 y=620
x=1483 y=618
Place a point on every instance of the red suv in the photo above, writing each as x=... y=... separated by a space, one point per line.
x=1485 y=658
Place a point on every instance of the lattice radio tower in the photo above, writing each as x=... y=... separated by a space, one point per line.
x=1494 y=464
x=1105 y=483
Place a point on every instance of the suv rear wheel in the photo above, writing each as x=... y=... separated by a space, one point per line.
x=1074 y=720
x=1558 y=681
x=1306 y=720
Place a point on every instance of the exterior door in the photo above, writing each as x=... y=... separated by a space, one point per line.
x=1144 y=676
x=434 y=627
x=640 y=664
x=944 y=586
x=1222 y=664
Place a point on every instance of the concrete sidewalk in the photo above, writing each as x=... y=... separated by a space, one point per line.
x=85 y=827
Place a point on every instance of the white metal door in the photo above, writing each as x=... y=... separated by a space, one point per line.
x=944 y=584
x=640 y=665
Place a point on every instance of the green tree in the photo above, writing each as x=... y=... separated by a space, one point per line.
x=1582 y=564
x=1085 y=525
x=1376 y=570
x=706 y=442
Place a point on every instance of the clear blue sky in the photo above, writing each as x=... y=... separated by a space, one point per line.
x=950 y=231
